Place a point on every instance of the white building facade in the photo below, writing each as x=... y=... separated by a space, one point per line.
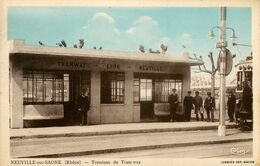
x=124 y=87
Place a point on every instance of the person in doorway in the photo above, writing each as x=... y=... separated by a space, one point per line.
x=188 y=106
x=209 y=105
x=231 y=104
x=198 y=106
x=247 y=97
x=173 y=100
x=84 y=106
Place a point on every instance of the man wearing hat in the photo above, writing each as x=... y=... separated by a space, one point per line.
x=198 y=105
x=209 y=106
x=173 y=100
x=84 y=106
x=231 y=105
x=188 y=106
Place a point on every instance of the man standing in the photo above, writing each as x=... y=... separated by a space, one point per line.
x=209 y=106
x=231 y=104
x=247 y=97
x=84 y=106
x=188 y=106
x=198 y=106
x=173 y=100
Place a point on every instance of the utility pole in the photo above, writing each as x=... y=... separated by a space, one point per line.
x=222 y=126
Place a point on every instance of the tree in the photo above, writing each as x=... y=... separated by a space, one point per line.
x=141 y=48
x=154 y=52
x=63 y=43
x=212 y=72
x=40 y=43
x=164 y=48
x=81 y=43
x=59 y=44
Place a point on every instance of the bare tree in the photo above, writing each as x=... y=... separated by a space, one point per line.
x=212 y=72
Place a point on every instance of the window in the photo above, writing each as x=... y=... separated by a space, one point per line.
x=157 y=88
x=136 y=90
x=145 y=89
x=239 y=80
x=163 y=88
x=112 y=87
x=45 y=87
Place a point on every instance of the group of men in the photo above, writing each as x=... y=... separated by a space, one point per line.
x=196 y=103
x=189 y=103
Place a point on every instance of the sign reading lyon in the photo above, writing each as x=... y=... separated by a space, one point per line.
x=113 y=66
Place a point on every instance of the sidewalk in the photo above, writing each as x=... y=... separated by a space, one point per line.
x=89 y=145
x=110 y=129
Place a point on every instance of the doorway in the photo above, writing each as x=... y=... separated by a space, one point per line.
x=78 y=81
x=146 y=98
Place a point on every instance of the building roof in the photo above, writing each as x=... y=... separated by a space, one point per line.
x=19 y=46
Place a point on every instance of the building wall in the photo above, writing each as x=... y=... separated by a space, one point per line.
x=99 y=113
x=16 y=91
x=94 y=115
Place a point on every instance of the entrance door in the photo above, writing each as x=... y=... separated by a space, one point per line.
x=79 y=81
x=146 y=98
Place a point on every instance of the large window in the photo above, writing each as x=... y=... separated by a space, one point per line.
x=148 y=87
x=112 y=87
x=163 y=88
x=45 y=87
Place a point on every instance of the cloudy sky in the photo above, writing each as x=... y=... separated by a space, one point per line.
x=124 y=29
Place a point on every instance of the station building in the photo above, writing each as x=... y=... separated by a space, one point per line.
x=125 y=87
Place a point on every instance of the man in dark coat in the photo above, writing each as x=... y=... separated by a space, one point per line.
x=188 y=106
x=173 y=100
x=231 y=104
x=84 y=106
x=198 y=105
x=209 y=106
x=247 y=97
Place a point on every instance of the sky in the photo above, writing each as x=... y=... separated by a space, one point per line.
x=182 y=29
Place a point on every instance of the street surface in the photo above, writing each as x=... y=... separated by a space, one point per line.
x=87 y=145
x=226 y=150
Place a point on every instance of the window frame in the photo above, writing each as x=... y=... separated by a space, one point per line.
x=34 y=80
x=113 y=83
x=160 y=78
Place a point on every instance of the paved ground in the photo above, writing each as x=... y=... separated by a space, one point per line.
x=85 y=145
x=108 y=129
x=226 y=150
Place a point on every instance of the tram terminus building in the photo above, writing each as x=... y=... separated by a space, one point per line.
x=125 y=87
